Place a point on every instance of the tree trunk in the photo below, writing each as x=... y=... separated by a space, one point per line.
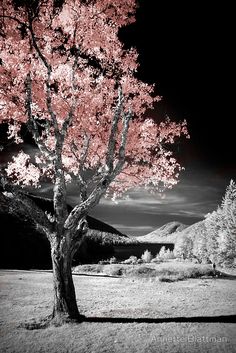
x=65 y=306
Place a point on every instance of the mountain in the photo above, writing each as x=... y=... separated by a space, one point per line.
x=166 y=233
x=23 y=246
x=93 y=223
x=191 y=231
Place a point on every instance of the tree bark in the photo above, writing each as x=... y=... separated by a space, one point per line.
x=65 y=306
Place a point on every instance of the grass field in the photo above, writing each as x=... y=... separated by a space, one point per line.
x=123 y=315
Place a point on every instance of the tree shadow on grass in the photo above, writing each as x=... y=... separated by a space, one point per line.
x=194 y=319
x=95 y=275
x=46 y=322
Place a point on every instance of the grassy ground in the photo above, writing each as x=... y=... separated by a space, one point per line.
x=27 y=295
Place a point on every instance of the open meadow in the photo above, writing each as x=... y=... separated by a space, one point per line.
x=123 y=314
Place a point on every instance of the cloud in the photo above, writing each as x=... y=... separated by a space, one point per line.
x=133 y=228
x=188 y=202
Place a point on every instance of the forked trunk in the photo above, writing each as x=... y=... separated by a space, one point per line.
x=65 y=306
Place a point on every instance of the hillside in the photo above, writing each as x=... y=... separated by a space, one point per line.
x=191 y=231
x=22 y=246
x=93 y=223
x=166 y=233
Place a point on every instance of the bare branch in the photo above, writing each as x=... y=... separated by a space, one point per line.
x=84 y=152
x=22 y=202
x=49 y=71
x=81 y=161
x=112 y=138
x=36 y=47
x=121 y=158
x=69 y=118
x=83 y=208
x=32 y=125
x=15 y=19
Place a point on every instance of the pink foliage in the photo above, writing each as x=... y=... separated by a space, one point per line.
x=90 y=87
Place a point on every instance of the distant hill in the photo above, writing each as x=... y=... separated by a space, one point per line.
x=166 y=233
x=22 y=246
x=192 y=231
x=93 y=223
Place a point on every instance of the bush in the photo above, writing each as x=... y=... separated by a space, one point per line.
x=147 y=256
x=113 y=260
x=141 y=271
x=113 y=270
x=103 y=262
x=88 y=268
x=132 y=260
x=165 y=254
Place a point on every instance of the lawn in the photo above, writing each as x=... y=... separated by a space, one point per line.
x=183 y=316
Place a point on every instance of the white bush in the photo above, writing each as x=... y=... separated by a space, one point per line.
x=165 y=254
x=132 y=260
x=147 y=256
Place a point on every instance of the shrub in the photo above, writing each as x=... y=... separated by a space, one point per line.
x=162 y=252
x=169 y=254
x=103 y=262
x=114 y=270
x=141 y=271
x=113 y=260
x=147 y=256
x=88 y=268
x=132 y=260
x=165 y=254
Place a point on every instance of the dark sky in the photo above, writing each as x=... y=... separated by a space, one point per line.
x=186 y=49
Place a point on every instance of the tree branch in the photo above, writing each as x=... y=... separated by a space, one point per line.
x=69 y=118
x=49 y=71
x=95 y=196
x=32 y=125
x=15 y=19
x=21 y=202
x=81 y=161
x=121 y=158
x=112 y=138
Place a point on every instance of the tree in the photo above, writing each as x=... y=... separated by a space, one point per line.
x=200 y=245
x=214 y=226
x=67 y=78
x=221 y=229
x=228 y=234
x=147 y=256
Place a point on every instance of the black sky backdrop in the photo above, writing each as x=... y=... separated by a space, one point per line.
x=186 y=49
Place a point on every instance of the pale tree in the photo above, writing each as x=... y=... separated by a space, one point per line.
x=66 y=77
x=214 y=226
x=200 y=244
x=184 y=246
x=227 y=240
x=221 y=229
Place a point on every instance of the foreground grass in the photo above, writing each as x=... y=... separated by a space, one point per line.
x=27 y=295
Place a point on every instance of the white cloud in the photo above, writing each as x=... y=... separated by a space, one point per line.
x=133 y=228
